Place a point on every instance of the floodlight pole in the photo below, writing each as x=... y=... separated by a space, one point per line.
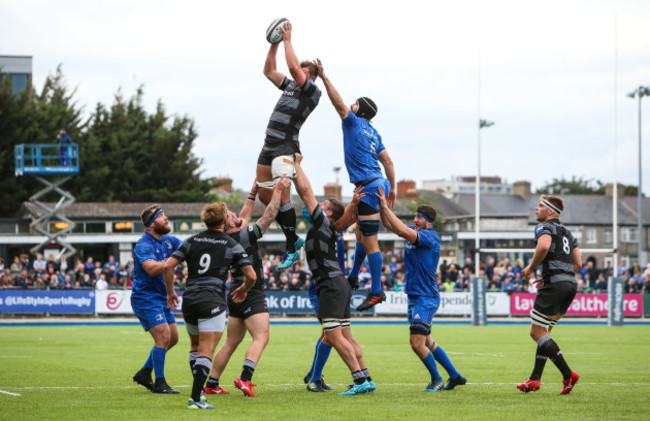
x=641 y=91
x=477 y=229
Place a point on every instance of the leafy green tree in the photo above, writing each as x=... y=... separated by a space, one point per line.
x=576 y=185
x=29 y=117
x=126 y=154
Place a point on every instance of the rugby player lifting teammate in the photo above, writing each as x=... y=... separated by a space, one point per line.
x=558 y=254
x=252 y=314
x=209 y=255
x=299 y=98
x=364 y=150
x=334 y=293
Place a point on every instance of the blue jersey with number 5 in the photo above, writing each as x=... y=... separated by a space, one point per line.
x=362 y=145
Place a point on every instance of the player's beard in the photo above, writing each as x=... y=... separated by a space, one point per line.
x=161 y=229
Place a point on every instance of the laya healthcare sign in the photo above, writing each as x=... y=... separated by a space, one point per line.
x=582 y=305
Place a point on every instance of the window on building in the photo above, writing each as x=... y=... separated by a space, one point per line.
x=95 y=227
x=629 y=235
x=590 y=236
x=608 y=237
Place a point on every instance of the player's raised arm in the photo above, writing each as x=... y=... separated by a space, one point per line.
x=332 y=93
x=303 y=187
x=292 y=59
x=270 y=66
x=389 y=169
x=392 y=222
x=246 y=212
x=273 y=207
x=350 y=215
x=168 y=275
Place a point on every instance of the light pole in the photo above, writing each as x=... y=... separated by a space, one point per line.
x=641 y=91
x=477 y=241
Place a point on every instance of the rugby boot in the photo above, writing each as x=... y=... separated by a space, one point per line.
x=143 y=379
x=451 y=383
x=215 y=391
x=316 y=386
x=371 y=300
x=161 y=386
x=246 y=387
x=198 y=405
x=529 y=386
x=569 y=383
x=434 y=386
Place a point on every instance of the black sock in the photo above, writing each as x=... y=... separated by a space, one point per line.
x=358 y=377
x=540 y=362
x=549 y=348
x=286 y=218
x=248 y=370
x=212 y=382
x=367 y=374
x=201 y=372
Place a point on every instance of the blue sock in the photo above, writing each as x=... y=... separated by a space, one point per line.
x=320 y=358
x=375 y=263
x=148 y=365
x=359 y=257
x=441 y=356
x=159 y=361
x=430 y=363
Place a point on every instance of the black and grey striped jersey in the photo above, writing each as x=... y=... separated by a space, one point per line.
x=557 y=266
x=209 y=255
x=291 y=111
x=247 y=238
x=320 y=246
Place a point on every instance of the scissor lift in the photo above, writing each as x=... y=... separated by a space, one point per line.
x=41 y=161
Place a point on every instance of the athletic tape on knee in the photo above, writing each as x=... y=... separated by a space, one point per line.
x=368 y=228
x=418 y=328
x=283 y=165
x=331 y=324
x=266 y=184
x=541 y=320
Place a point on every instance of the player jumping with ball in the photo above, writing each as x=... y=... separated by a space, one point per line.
x=299 y=98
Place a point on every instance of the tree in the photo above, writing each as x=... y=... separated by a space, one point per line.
x=130 y=156
x=28 y=117
x=126 y=154
x=578 y=185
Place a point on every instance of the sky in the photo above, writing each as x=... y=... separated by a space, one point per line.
x=553 y=77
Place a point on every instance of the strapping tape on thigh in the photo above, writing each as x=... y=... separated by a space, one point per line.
x=541 y=320
x=283 y=165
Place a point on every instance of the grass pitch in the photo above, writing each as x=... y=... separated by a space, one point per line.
x=84 y=372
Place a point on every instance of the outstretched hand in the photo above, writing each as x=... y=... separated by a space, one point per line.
x=383 y=202
x=298 y=158
x=282 y=184
x=319 y=66
x=358 y=195
x=391 y=199
x=286 y=30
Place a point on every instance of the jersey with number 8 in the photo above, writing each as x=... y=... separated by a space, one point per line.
x=557 y=266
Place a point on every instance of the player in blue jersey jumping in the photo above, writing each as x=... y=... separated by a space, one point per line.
x=149 y=296
x=421 y=255
x=364 y=151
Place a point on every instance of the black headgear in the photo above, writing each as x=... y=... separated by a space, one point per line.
x=367 y=108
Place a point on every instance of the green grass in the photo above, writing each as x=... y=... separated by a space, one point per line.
x=82 y=372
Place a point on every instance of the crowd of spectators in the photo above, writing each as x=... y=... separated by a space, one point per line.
x=53 y=273
x=505 y=276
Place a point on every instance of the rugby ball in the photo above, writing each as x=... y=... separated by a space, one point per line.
x=274 y=32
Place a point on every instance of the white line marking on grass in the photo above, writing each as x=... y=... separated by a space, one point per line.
x=9 y=393
x=293 y=385
x=15 y=356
